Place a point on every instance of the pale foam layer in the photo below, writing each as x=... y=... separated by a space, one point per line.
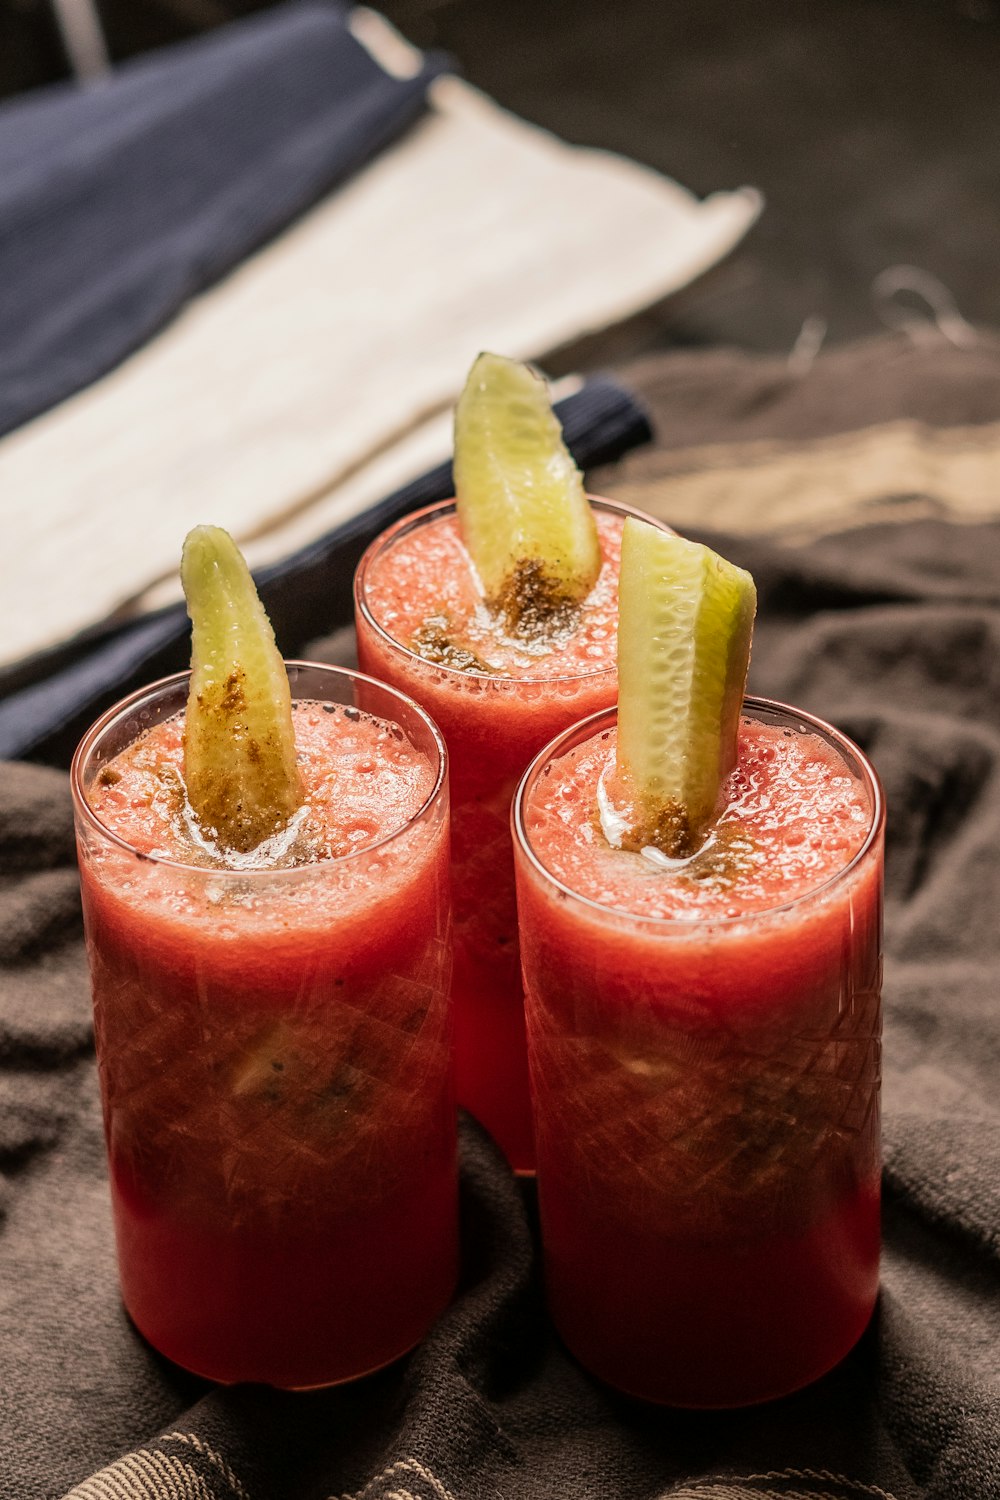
x=428 y=576
x=794 y=816
x=355 y=850
x=362 y=778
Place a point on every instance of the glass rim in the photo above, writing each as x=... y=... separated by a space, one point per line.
x=156 y=689
x=605 y=716
x=417 y=518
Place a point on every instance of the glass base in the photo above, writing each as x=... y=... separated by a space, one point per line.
x=323 y=1385
x=778 y=1393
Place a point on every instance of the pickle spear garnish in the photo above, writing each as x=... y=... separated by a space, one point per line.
x=525 y=518
x=242 y=780
x=684 y=630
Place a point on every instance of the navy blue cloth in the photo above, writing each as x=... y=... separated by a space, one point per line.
x=306 y=596
x=120 y=201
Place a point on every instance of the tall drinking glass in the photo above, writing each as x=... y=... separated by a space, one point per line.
x=493 y=724
x=274 y=1053
x=706 y=1090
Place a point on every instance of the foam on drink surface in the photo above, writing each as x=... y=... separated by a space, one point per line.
x=363 y=782
x=424 y=593
x=793 y=817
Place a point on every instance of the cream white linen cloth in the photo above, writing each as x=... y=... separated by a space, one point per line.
x=319 y=375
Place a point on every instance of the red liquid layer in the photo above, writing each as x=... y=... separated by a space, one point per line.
x=690 y=1323
x=493 y=724
x=274 y=1051
x=307 y=1301
x=706 y=1081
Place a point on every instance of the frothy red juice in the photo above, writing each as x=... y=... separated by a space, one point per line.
x=425 y=594
x=704 y=1050
x=423 y=626
x=274 y=1046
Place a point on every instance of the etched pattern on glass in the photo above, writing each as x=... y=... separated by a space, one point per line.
x=238 y=1114
x=699 y=1127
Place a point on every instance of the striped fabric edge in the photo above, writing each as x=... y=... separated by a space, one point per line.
x=198 y=1472
x=406 y=1479
x=780 y=1484
x=152 y=1474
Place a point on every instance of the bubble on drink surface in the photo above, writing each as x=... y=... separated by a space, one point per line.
x=423 y=592
x=340 y=803
x=748 y=857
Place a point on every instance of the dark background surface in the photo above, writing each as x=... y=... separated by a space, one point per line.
x=871 y=126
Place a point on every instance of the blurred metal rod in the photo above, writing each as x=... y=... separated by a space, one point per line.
x=82 y=36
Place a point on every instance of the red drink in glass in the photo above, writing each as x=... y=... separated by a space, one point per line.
x=497 y=702
x=705 y=1060
x=274 y=1040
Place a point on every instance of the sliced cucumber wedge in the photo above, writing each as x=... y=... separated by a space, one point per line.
x=239 y=744
x=684 y=632
x=524 y=514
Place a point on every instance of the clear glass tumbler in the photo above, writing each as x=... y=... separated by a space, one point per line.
x=706 y=1104
x=274 y=1048
x=493 y=725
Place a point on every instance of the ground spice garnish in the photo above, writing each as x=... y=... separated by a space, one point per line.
x=535 y=603
x=434 y=643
